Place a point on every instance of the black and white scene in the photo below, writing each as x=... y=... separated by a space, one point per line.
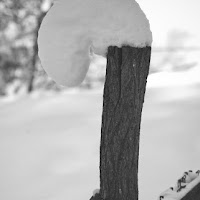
x=99 y=100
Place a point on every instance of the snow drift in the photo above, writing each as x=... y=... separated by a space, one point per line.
x=75 y=29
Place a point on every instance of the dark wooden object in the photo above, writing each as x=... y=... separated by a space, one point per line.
x=193 y=194
x=126 y=76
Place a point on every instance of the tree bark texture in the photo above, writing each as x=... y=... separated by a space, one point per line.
x=194 y=194
x=124 y=90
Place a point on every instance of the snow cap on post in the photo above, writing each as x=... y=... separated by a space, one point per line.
x=72 y=29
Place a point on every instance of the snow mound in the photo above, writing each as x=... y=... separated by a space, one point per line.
x=75 y=29
x=184 y=185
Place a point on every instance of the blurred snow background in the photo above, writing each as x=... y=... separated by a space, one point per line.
x=49 y=135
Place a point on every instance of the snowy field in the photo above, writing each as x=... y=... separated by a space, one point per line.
x=49 y=143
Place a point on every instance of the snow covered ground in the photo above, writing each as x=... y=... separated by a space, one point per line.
x=49 y=143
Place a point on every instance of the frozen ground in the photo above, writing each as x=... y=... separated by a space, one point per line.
x=49 y=143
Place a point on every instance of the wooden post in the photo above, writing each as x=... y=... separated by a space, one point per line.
x=126 y=76
x=194 y=194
